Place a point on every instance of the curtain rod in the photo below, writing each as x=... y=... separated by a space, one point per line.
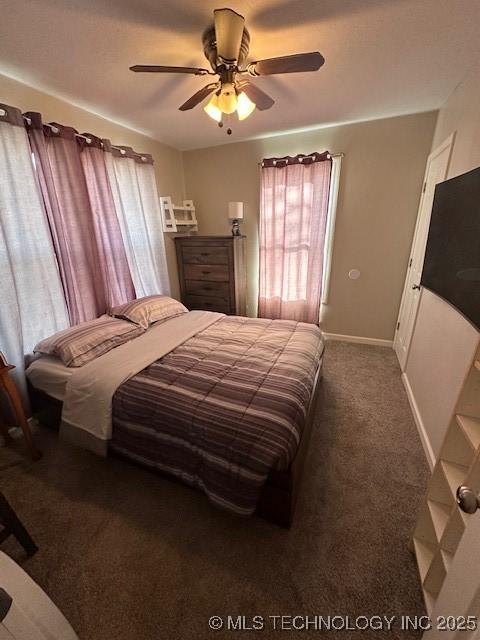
x=77 y=135
x=308 y=155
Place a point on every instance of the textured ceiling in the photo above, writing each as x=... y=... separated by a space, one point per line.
x=383 y=58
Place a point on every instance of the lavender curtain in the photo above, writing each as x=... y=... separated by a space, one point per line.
x=116 y=274
x=57 y=160
x=293 y=217
x=82 y=219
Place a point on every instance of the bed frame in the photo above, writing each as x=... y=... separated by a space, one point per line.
x=279 y=498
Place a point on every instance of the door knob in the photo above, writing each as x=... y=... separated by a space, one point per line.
x=416 y=286
x=467 y=499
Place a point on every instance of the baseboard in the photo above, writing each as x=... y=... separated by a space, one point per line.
x=422 y=432
x=379 y=342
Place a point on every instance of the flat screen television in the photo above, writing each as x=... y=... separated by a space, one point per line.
x=452 y=260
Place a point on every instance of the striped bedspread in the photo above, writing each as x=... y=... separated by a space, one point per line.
x=223 y=408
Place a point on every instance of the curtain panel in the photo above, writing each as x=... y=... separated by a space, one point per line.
x=82 y=217
x=113 y=259
x=134 y=190
x=293 y=217
x=80 y=230
x=32 y=303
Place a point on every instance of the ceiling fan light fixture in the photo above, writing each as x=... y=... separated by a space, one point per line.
x=212 y=109
x=226 y=45
x=245 y=106
x=227 y=100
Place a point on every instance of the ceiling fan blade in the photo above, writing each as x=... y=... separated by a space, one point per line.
x=287 y=64
x=229 y=27
x=256 y=95
x=152 y=68
x=198 y=97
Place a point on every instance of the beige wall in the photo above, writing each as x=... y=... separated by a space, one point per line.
x=461 y=114
x=380 y=182
x=168 y=161
x=379 y=190
x=443 y=342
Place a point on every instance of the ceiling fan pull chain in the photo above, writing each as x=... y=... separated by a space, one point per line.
x=228 y=117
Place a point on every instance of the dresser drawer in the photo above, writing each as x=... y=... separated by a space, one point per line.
x=212 y=272
x=207 y=303
x=205 y=255
x=205 y=288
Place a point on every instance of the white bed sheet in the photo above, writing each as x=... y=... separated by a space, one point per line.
x=87 y=391
x=50 y=375
x=87 y=407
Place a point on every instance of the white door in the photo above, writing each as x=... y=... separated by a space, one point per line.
x=458 y=604
x=435 y=172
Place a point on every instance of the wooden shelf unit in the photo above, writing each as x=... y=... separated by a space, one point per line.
x=441 y=524
x=178 y=217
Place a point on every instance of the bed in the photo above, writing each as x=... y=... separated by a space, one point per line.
x=222 y=403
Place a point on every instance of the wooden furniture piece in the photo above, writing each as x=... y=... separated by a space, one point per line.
x=280 y=493
x=178 y=217
x=441 y=522
x=13 y=527
x=212 y=272
x=9 y=387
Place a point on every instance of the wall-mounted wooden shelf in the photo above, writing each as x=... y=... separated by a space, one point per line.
x=441 y=524
x=174 y=216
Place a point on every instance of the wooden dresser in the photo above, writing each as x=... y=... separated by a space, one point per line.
x=212 y=272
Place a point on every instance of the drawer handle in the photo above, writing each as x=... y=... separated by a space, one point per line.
x=204 y=254
x=206 y=273
x=208 y=288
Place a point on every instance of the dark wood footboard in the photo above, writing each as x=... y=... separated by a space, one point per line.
x=279 y=498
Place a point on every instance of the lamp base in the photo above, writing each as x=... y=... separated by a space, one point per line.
x=235 y=228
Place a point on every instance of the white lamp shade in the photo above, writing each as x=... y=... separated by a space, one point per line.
x=235 y=210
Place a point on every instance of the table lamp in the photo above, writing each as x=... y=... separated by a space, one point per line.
x=235 y=214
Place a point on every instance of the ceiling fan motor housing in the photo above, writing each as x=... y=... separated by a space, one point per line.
x=226 y=45
x=210 y=49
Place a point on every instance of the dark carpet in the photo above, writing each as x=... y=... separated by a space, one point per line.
x=129 y=555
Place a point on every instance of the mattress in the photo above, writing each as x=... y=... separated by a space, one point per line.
x=50 y=375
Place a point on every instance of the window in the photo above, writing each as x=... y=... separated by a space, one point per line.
x=297 y=220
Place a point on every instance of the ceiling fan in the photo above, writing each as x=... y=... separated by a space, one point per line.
x=226 y=46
